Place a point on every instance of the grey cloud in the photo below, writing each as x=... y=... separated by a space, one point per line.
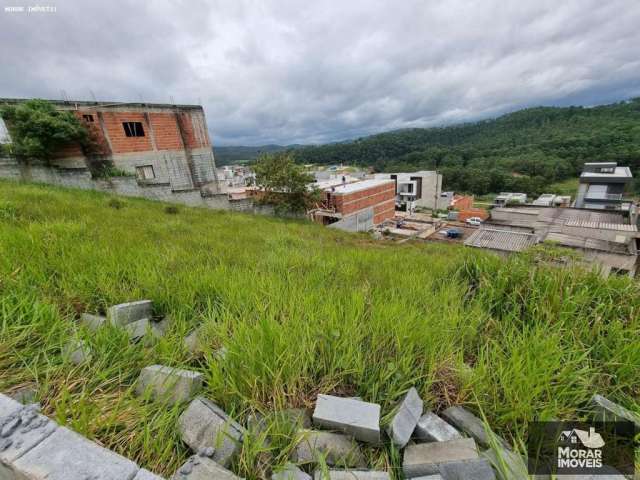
x=287 y=71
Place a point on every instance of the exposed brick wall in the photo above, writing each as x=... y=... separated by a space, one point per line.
x=120 y=143
x=166 y=132
x=384 y=211
x=370 y=197
x=472 y=212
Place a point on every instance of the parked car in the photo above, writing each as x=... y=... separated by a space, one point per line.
x=475 y=221
x=454 y=233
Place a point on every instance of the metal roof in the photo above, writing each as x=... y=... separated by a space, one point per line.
x=574 y=241
x=505 y=240
x=601 y=225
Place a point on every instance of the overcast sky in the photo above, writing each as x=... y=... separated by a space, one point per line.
x=279 y=71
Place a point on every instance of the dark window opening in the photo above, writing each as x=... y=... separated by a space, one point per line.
x=133 y=129
x=88 y=118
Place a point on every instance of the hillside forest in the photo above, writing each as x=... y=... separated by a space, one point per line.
x=525 y=151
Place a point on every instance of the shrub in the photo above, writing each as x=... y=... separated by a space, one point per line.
x=115 y=203
x=38 y=129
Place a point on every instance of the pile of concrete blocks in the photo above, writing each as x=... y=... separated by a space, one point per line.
x=34 y=447
x=433 y=447
x=136 y=318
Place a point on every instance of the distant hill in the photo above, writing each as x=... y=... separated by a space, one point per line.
x=527 y=150
x=231 y=155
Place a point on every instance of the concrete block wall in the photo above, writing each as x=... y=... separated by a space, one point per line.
x=34 y=447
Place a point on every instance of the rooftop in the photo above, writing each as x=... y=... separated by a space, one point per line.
x=505 y=240
x=358 y=186
x=90 y=104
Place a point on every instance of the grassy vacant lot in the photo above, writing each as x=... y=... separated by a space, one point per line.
x=302 y=310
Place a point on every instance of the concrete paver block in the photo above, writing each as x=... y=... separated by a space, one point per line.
x=137 y=329
x=473 y=426
x=606 y=410
x=191 y=342
x=336 y=448
x=426 y=458
x=22 y=430
x=92 y=322
x=204 y=425
x=350 y=475
x=478 y=469
x=8 y=406
x=507 y=464
x=406 y=418
x=290 y=472
x=65 y=455
x=160 y=329
x=431 y=428
x=202 y=468
x=77 y=351
x=124 y=313
x=146 y=475
x=354 y=417
x=169 y=384
x=429 y=477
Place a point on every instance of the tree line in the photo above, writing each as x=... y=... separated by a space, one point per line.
x=524 y=151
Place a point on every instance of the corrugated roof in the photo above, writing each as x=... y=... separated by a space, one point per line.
x=601 y=225
x=504 y=240
x=587 y=243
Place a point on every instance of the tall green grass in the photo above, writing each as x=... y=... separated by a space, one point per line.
x=301 y=310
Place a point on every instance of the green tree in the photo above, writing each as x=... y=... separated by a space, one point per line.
x=285 y=184
x=37 y=129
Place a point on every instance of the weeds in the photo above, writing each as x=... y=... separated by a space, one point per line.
x=300 y=310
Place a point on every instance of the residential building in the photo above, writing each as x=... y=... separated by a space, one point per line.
x=419 y=189
x=510 y=198
x=604 y=238
x=158 y=143
x=551 y=200
x=602 y=186
x=356 y=206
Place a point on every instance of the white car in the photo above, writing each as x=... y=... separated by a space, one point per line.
x=475 y=221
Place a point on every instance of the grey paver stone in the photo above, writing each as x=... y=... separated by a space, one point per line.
x=406 y=418
x=508 y=464
x=473 y=426
x=146 y=475
x=21 y=430
x=478 y=469
x=336 y=448
x=606 y=410
x=354 y=417
x=138 y=329
x=426 y=458
x=191 y=342
x=124 y=313
x=205 y=425
x=202 y=468
x=431 y=428
x=170 y=384
x=290 y=472
x=65 y=455
x=92 y=322
x=350 y=475
x=77 y=351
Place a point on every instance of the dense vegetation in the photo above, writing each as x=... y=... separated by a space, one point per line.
x=301 y=310
x=37 y=128
x=525 y=151
x=284 y=183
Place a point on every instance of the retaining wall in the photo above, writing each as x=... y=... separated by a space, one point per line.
x=81 y=178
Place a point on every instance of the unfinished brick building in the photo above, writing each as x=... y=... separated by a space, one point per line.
x=357 y=206
x=160 y=144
